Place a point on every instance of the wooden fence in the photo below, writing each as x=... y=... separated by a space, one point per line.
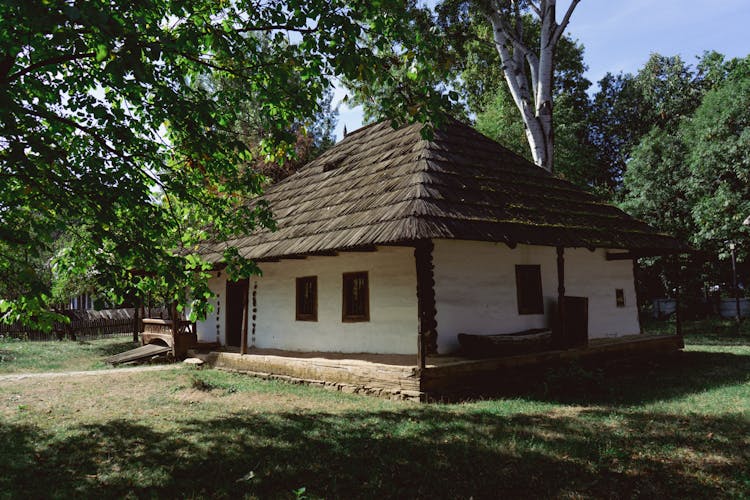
x=84 y=325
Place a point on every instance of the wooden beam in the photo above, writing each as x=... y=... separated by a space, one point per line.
x=245 y=297
x=136 y=321
x=175 y=324
x=427 y=324
x=255 y=311
x=636 y=270
x=558 y=333
x=323 y=253
x=365 y=248
x=677 y=315
x=620 y=256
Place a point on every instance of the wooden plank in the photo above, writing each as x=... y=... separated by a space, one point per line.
x=365 y=248
x=426 y=309
x=558 y=332
x=245 y=299
x=349 y=371
x=620 y=256
x=145 y=351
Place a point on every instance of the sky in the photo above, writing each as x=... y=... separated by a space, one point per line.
x=619 y=35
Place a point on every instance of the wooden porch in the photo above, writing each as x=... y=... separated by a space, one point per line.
x=399 y=376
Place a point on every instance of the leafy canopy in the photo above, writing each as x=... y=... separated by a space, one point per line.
x=108 y=135
x=689 y=174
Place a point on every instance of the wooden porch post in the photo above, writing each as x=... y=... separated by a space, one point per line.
x=559 y=332
x=243 y=339
x=136 y=320
x=636 y=270
x=427 y=325
x=173 y=314
x=677 y=314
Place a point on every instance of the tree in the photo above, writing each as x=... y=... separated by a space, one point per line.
x=690 y=166
x=717 y=138
x=688 y=175
x=309 y=137
x=528 y=67
x=456 y=49
x=418 y=81
x=655 y=183
x=661 y=94
x=106 y=133
x=487 y=96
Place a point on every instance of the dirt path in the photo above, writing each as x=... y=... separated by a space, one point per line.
x=151 y=368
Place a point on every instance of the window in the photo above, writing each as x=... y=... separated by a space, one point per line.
x=307 y=299
x=529 y=290
x=356 y=299
x=620 y=297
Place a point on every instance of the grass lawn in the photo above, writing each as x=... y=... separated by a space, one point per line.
x=675 y=426
x=66 y=355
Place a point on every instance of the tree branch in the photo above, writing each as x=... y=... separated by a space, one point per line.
x=497 y=18
x=533 y=61
x=280 y=27
x=535 y=8
x=514 y=76
x=216 y=67
x=564 y=23
x=99 y=139
x=49 y=62
x=71 y=123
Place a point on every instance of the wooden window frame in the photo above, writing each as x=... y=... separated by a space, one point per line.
x=619 y=297
x=361 y=317
x=299 y=283
x=538 y=306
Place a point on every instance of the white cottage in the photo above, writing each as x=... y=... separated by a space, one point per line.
x=392 y=244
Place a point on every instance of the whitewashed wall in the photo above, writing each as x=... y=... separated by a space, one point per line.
x=590 y=274
x=212 y=328
x=393 y=305
x=475 y=289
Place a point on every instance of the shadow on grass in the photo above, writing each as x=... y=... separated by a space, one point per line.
x=626 y=382
x=426 y=451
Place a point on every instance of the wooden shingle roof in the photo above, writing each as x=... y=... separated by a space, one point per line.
x=379 y=186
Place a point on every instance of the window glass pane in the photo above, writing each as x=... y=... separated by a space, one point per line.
x=355 y=300
x=620 y=297
x=529 y=290
x=307 y=300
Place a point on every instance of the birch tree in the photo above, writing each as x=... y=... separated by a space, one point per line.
x=528 y=70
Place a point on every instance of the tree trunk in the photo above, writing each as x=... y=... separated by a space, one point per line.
x=515 y=55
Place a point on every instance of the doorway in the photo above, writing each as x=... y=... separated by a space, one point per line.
x=236 y=293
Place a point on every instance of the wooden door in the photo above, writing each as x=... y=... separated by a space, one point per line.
x=234 y=311
x=576 y=331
